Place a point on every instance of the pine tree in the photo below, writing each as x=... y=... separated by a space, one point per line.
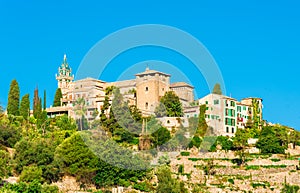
x=57 y=98
x=13 y=98
x=25 y=106
x=217 y=89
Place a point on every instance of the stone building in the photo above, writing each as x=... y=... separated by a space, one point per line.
x=151 y=85
x=184 y=91
x=64 y=76
x=145 y=91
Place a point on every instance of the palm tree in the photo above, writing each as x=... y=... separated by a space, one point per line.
x=80 y=110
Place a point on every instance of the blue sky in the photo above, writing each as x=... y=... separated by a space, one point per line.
x=255 y=43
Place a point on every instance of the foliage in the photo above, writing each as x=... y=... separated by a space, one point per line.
x=272 y=139
x=25 y=107
x=217 y=89
x=31 y=173
x=13 y=98
x=32 y=187
x=172 y=105
x=10 y=133
x=74 y=157
x=240 y=143
x=57 y=98
x=164 y=159
x=143 y=186
x=160 y=137
x=167 y=184
x=80 y=111
x=45 y=101
x=185 y=153
x=160 y=110
x=181 y=169
x=290 y=188
x=202 y=125
x=195 y=142
x=37 y=104
x=5 y=167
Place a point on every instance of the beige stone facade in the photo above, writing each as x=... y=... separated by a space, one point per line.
x=151 y=85
x=145 y=91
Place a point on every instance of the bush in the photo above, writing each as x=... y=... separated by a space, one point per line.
x=290 y=188
x=185 y=153
x=181 y=169
x=231 y=181
x=31 y=173
x=49 y=189
x=143 y=186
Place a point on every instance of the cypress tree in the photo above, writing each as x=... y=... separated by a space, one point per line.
x=37 y=105
x=13 y=98
x=217 y=89
x=25 y=106
x=45 y=104
x=58 y=96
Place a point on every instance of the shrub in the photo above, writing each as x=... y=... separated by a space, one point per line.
x=46 y=188
x=31 y=173
x=290 y=188
x=180 y=169
x=231 y=181
x=185 y=153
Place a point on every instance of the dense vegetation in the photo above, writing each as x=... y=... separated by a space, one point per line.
x=41 y=150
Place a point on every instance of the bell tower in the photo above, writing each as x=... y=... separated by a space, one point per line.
x=64 y=76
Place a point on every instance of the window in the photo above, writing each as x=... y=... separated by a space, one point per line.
x=232 y=103
x=146 y=89
x=226 y=112
x=146 y=105
x=226 y=121
x=232 y=130
x=206 y=102
x=216 y=102
x=239 y=108
x=227 y=130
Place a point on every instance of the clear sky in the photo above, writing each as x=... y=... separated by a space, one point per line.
x=255 y=43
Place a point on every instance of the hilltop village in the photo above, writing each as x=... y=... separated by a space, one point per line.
x=223 y=114
x=142 y=135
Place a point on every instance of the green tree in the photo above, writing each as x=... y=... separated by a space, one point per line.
x=57 y=98
x=161 y=136
x=240 y=143
x=37 y=104
x=45 y=101
x=167 y=184
x=75 y=158
x=5 y=167
x=273 y=139
x=25 y=106
x=31 y=173
x=13 y=98
x=172 y=104
x=202 y=125
x=160 y=110
x=217 y=89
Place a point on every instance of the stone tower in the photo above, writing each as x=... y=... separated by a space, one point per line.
x=151 y=85
x=64 y=76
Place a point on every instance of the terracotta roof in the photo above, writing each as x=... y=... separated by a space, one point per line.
x=181 y=84
x=148 y=71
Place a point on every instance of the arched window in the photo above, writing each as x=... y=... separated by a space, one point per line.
x=146 y=105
